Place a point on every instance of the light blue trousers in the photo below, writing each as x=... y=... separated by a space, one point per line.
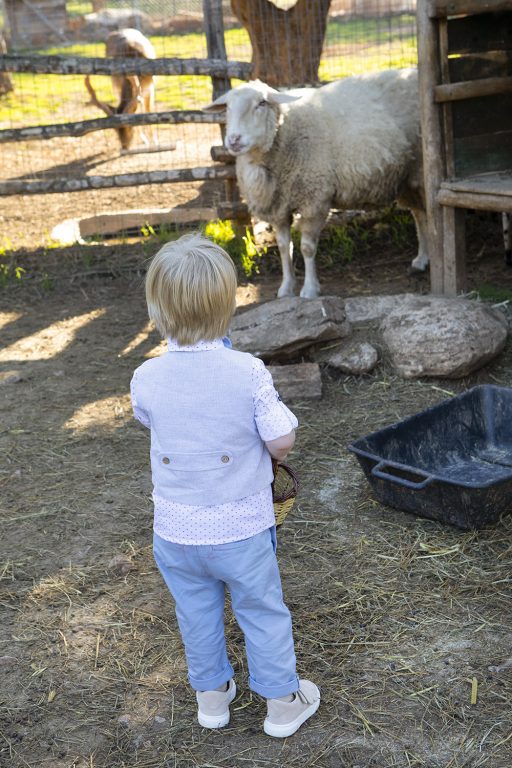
x=197 y=577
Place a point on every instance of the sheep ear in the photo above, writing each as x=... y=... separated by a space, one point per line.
x=278 y=97
x=219 y=105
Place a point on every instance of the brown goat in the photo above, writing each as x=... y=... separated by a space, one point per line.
x=136 y=93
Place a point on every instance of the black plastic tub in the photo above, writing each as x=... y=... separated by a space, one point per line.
x=451 y=463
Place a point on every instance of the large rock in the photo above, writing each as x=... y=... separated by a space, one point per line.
x=367 y=309
x=284 y=327
x=443 y=337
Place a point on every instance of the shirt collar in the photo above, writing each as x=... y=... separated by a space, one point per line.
x=199 y=346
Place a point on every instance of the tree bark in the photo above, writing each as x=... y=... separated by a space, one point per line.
x=286 y=45
x=6 y=83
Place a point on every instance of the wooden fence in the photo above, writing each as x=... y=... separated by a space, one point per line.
x=216 y=66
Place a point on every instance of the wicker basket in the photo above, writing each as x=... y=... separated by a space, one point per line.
x=284 y=490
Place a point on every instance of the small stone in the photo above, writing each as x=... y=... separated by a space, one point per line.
x=121 y=564
x=302 y=381
x=10 y=377
x=124 y=720
x=354 y=358
x=159 y=720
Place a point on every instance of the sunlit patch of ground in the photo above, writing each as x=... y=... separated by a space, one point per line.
x=50 y=341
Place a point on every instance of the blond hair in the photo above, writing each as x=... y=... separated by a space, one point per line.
x=191 y=290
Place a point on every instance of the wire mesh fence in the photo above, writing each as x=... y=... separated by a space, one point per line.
x=327 y=40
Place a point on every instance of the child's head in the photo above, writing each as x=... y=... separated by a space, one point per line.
x=191 y=290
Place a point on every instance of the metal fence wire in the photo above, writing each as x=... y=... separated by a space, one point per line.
x=351 y=37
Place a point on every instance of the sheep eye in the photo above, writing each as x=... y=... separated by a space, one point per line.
x=262 y=103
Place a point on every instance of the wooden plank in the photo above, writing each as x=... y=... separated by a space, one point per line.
x=82 y=127
x=221 y=155
x=54 y=186
x=236 y=211
x=432 y=143
x=494 y=184
x=475 y=201
x=442 y=8
x=454 y=251
x=108 y=223
x=82 y=65
x=486 y=87
x=216 y=46
x=447 y=107
x=484 y=32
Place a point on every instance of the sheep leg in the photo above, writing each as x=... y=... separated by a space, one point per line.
x=420 y=263
x=285 y=245
x=310 y=233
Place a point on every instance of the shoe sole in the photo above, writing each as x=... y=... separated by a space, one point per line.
x=216 y=721
x=288 y=729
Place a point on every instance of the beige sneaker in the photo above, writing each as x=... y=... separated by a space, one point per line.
x=213 y=710
x=285 y=717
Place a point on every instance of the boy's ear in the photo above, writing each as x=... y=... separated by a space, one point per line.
x=219 y=105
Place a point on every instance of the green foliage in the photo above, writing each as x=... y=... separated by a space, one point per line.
x=10 y=273
x=46 y=282
x=494 y=293
x=243 y=250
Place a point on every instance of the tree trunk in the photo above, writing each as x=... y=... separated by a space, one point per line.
x=6 y=83
x=286 y=45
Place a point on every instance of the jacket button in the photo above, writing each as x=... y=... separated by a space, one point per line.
x=166 y=460
x=225 y=459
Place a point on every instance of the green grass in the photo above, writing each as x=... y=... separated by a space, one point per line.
x=352 y=47
x=493 y=293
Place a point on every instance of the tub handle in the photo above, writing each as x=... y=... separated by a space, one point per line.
x=379 y=471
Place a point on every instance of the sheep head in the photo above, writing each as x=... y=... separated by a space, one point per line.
x=252 y=116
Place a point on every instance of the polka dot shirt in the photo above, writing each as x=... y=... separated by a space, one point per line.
x=235 y=520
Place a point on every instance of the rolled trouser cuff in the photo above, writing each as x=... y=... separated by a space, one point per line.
x=274 y=691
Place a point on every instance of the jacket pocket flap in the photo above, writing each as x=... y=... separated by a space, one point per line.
x=195 y=462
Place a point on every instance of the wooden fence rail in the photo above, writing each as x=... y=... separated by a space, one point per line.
x=82 y=65
x=82 y=127
x=54 y=186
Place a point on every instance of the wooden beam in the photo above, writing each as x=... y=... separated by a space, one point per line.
x=454 y=242
x=216 y=46
x=432 y=140
x=82 y=127
x=490 y=86
x=498 y=184
x=478 y=202
x=221 y=155
x=82 y=65
x=441 y=8
x=54 y=186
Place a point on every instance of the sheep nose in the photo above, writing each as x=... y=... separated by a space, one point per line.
x=234 y=140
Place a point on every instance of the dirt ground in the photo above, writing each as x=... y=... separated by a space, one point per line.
x=397 y=618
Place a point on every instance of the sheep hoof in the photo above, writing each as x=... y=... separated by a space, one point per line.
x=286 y=289
x=419 y=264
x=310 y=291
x=413 y=270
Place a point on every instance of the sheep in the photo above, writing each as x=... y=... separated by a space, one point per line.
x=350 y=144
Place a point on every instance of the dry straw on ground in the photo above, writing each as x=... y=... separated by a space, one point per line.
x=403 y=622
